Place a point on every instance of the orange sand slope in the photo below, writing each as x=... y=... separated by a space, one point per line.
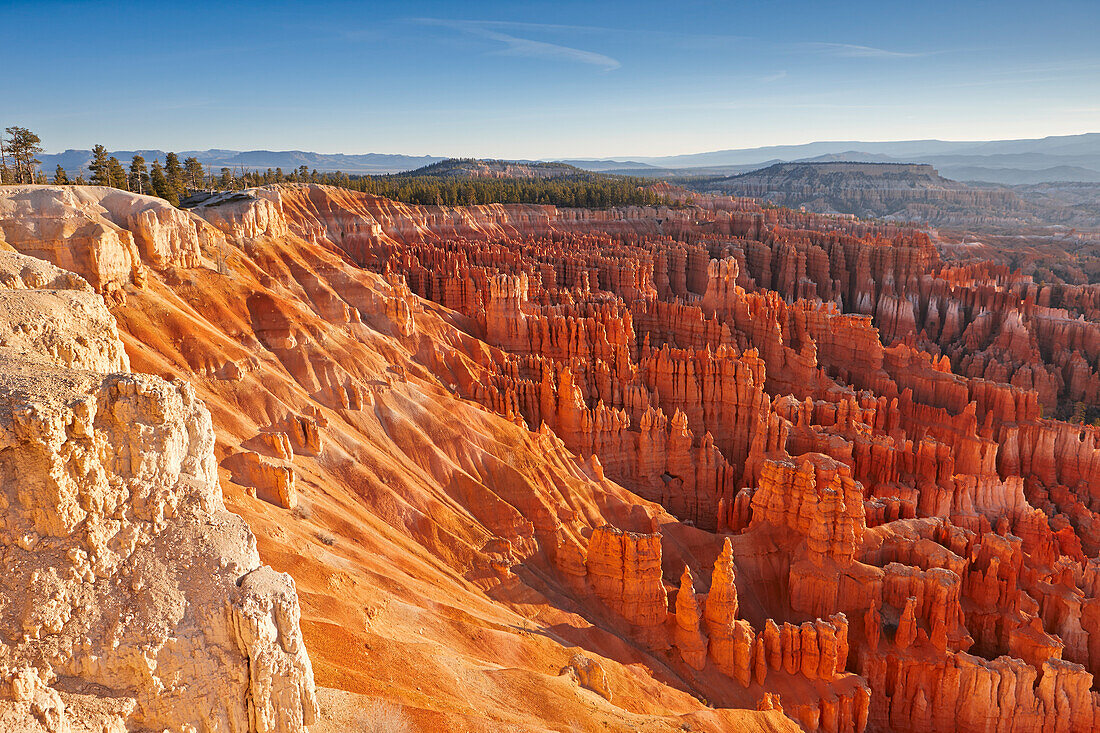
x=635 y=469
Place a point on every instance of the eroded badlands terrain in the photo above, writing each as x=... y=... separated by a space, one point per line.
x=705 y=468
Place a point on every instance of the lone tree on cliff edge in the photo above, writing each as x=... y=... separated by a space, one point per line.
x=22 y=145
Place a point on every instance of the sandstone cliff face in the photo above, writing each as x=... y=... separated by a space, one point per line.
x=49 y=312
x=123 y=570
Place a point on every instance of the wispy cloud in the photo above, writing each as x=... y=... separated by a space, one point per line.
x=848 y=50
x=608 y=31
x=516 y=46
x=773 y=77
x=516 y=25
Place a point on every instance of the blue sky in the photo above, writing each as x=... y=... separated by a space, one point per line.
x=545 y=79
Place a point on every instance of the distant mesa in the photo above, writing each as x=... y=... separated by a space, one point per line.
x=914 y=192
x=890 y=190
x=477 y=168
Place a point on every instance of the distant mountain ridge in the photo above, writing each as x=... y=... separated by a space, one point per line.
x=478 y=168
x=1066 y=145
x=1076 y=157
x=368 y=163
x=1008 y=162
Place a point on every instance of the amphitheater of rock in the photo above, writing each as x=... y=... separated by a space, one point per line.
x=716 y=466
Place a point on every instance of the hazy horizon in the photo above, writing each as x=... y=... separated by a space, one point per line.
x=560 y=80
x=53 y=151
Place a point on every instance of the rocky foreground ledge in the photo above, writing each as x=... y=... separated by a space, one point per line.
x=130 y=598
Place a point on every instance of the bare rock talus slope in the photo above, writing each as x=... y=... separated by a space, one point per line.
x=132 y=598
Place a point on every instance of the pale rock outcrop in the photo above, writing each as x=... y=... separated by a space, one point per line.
x=244 y=214
x=270 y=480
x=167 y=236
x=102 y=233
x=589 y=674
x=122 y=571
x=54 y=224
x=20 y=272
x=45 y=310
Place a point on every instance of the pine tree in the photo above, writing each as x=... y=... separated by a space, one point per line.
x=227 y=179
x=139 y=176
x=174 y=172
x=7 y=175
x=196 y=175
x=98 y=166
x=160 y=185
x=60 y=177
x=22 y=145
x=116 y=176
